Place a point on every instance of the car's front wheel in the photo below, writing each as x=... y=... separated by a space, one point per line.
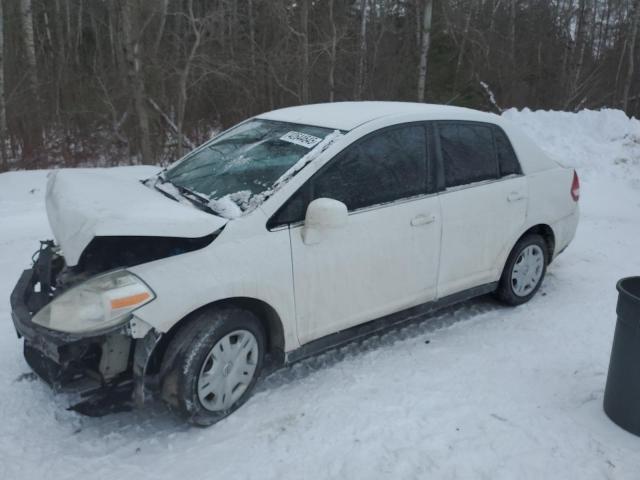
x=212 y=364
x=524 y=271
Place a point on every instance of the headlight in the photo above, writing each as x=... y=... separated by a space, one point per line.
x=97 y=304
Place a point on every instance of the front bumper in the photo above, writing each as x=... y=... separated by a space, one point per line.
x=106 y=372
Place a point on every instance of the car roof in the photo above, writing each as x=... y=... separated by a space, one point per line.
x=349 y=115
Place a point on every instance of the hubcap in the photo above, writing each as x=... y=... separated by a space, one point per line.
x=227 y=370
x=527 y=271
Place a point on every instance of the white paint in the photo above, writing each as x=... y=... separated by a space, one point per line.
x=349 y=115
x=85 y=204
x=376 y=264
x=480 y=224
x=323 y=215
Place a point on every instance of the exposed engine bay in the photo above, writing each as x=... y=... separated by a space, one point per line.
x=108 y=371
x=107 y=253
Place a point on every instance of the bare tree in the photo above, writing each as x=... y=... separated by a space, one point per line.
x=463 y=44
x=197 y=27
x=3 y=109
x=424 y=47
x=304 y=24
x=359 y=86
x=632 y=48
x=26 y=17
x=332 y=53
x=131 y=44
x=162 y=13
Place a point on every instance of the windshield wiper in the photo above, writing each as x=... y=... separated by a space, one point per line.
x=198 y=200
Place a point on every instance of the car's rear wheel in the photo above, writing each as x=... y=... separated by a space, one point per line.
x=212 y=364
x=524 y=270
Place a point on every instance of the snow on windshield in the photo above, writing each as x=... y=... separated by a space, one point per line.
x=237 y=171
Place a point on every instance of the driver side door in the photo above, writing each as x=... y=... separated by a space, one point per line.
x=385 y=258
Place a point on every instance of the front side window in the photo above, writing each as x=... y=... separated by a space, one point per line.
x=381 y=168
x=468 y=153
x=245 y=161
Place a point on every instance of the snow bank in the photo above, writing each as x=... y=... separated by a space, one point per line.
x=596 y=142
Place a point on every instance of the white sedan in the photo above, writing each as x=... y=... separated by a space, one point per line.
x=290 y=233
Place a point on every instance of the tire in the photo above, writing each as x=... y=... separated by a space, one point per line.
x=200 y=380
x=517 y=285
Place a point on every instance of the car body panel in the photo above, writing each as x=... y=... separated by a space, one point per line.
x=384 y=260
x=479 y=222
x=247 y=261
x=83 y=205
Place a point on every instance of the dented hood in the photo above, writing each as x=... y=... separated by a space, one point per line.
x=83 y=205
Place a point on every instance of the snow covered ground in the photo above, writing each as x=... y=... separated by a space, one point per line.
x=480 y=391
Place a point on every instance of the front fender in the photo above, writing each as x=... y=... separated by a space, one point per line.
x=257 y=268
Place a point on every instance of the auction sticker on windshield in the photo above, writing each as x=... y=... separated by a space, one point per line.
x=303 y=139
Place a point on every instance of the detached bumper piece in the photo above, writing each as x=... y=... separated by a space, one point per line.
x=95 y=371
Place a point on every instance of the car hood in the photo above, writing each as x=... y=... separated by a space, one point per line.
x=83 y=205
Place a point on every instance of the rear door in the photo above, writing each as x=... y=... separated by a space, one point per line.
x=385 y=259
x=483 y=201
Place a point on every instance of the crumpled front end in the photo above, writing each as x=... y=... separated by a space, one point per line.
x=85 y=206
x=107 y=371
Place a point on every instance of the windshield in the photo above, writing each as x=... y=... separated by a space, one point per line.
x=245 y=161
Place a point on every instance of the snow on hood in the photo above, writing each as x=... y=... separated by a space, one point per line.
x=82 y=205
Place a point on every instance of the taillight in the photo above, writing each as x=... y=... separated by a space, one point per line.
x=575 y=187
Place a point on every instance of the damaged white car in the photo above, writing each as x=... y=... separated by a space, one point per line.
x=291 y=233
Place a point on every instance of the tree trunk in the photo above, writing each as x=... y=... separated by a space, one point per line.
x=62 y=58
x=364 y=11
x=492 y=27
x=26 y=18
x=184 y=77
x=304 y=21
x=132 y=55
x=463 y=44
x=79 y=27
x=3 y=111
x=424 y=48
x=332 y=54
x=33 y=124
x=512 y=35
x=164 y=4
x=582 y=42
x=632 y=47
x=255 y=82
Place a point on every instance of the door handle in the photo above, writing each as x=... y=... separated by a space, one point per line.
x=515 y=197
x=422 y=220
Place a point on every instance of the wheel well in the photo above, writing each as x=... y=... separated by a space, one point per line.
x=266 y=314
x=545 y=232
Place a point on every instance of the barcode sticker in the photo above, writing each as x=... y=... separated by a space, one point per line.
x=302 y=139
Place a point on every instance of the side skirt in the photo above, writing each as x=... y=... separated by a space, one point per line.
x=387 y=322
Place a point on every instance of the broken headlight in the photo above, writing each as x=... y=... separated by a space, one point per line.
x=97 y=304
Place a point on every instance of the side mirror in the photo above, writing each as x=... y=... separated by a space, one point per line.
x=323 y=214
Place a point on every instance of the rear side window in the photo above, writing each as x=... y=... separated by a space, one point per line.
x=507 y=160
x=381 y=168
x=468 y=153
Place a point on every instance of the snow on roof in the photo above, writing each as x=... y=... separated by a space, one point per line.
x=349 y=115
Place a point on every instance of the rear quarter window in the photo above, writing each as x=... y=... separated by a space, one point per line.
x=507 y=160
